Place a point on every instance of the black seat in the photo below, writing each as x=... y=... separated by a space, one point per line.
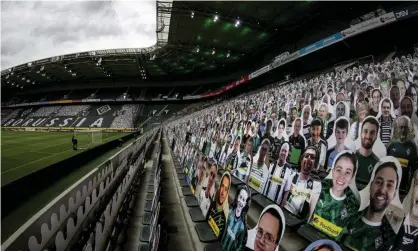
x=186 y=191
x=147 y=218
x=235 y=181
x=183 y=183
x=261 y=200
x=213 y=247
x=292 y=220
x=311 y=234
x=191 y=201
x=148 y=206
x=145 y=234
x=196 y=214
x=205 y=233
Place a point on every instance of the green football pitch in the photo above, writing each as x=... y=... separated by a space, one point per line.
x=25 y=152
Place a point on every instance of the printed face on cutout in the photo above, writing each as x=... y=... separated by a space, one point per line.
x=368 y=135
x=395 y=96
x=264 y=149
x=340 y=97
x=298 y=125
x=382 y=189
x=212 y=176
x=236 y=144
x=241 y=201
x=386 y=108
x=403 y=127
x=306 y=113
x=323 y=112
x=284 y=152
x=316 y=132
x=308 y=160
x=342 y=173
x=267 y=232
x=340 y=110
x=223 y=189
x=406 y=107
x=401 y=85
x=340 y=135
x=294 y=114
x=269 y=124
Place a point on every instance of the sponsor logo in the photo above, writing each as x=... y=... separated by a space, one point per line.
x=402 y=14
x=326 y=226
x=103 y=109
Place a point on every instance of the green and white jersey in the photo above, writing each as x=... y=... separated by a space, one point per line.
x=258 y=176
x=364 y=235
x=235 y=236
x=331 y=213
x=365 y=167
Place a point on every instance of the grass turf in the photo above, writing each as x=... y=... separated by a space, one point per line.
x=25 y=152
x=30 y=207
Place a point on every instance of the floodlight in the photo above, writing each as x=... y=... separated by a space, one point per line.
x=237 y=23
x=215 y=18
x=192 y=16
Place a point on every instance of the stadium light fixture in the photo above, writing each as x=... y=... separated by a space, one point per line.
x=215 y=18
x=192 y=15
x=237 y=23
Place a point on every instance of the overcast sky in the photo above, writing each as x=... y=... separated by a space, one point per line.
x=32 y=30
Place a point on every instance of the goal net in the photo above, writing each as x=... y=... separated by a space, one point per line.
x=87 y=137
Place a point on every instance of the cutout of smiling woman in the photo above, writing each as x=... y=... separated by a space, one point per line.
x=338 y=201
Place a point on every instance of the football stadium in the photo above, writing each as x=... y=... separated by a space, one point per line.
x=246 y=126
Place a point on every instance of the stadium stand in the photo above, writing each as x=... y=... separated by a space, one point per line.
x=325 y=160
x=209 y=129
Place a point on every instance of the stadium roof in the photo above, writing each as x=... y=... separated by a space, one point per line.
x=194 y=40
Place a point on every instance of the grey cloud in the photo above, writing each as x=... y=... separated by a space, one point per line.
x=35 y=30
